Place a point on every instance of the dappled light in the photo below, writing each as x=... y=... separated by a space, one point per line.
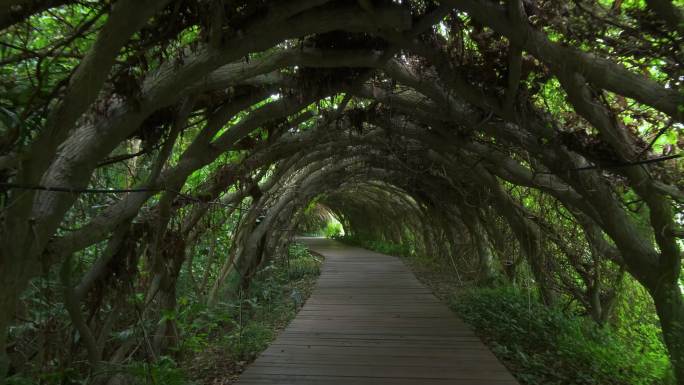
x=159 y=160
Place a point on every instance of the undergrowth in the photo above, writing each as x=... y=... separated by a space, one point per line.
x=216 y=343
x=401 y=250
x=549 y=345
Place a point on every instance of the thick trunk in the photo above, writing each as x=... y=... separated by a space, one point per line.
x=595 y=306
x=172 y=254
x=15 y=270
x=601 y=72
x=485 y=259
x=528 y=234
x=670 y=308
x=72 y=303
x=536 y=261
x=5 y=319
x=226 y=270
x=166 y=334
x=486 y=272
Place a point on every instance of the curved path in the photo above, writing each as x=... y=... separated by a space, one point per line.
x=370 y=321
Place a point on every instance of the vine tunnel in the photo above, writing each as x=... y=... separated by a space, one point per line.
x=155 y=140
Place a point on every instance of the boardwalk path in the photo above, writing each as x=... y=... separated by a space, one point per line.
x=370 y=321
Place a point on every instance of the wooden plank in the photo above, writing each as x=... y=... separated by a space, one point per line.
x=355 y=380
x=370 y=321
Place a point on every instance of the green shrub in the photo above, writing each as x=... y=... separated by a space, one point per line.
x=248 y=341
x=548 y=346
x=242 y=323
x=304 y=268
x=19 y=379
x=248 y=320
x=297 y=251
x=301 y=263
x=332 y=230
x=402 y=250
x=637 y=321
x=163 y=372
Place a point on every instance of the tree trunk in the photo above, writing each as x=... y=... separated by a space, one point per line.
x=5 y=319
x=485 y=259
x=670 y=308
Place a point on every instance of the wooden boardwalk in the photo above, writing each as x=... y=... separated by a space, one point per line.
x=370 y=321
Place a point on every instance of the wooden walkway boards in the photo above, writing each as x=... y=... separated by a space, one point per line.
x=370 y=321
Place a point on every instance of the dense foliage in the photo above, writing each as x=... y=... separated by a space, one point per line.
x=549 y=345
x=544 y=344
x=160 y=154
x=213 y=343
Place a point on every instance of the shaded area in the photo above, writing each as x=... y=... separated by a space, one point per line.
x=157 y=157
x=369 y=321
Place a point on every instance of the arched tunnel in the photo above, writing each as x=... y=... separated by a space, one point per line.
x=381 y=186
x=159 y=159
